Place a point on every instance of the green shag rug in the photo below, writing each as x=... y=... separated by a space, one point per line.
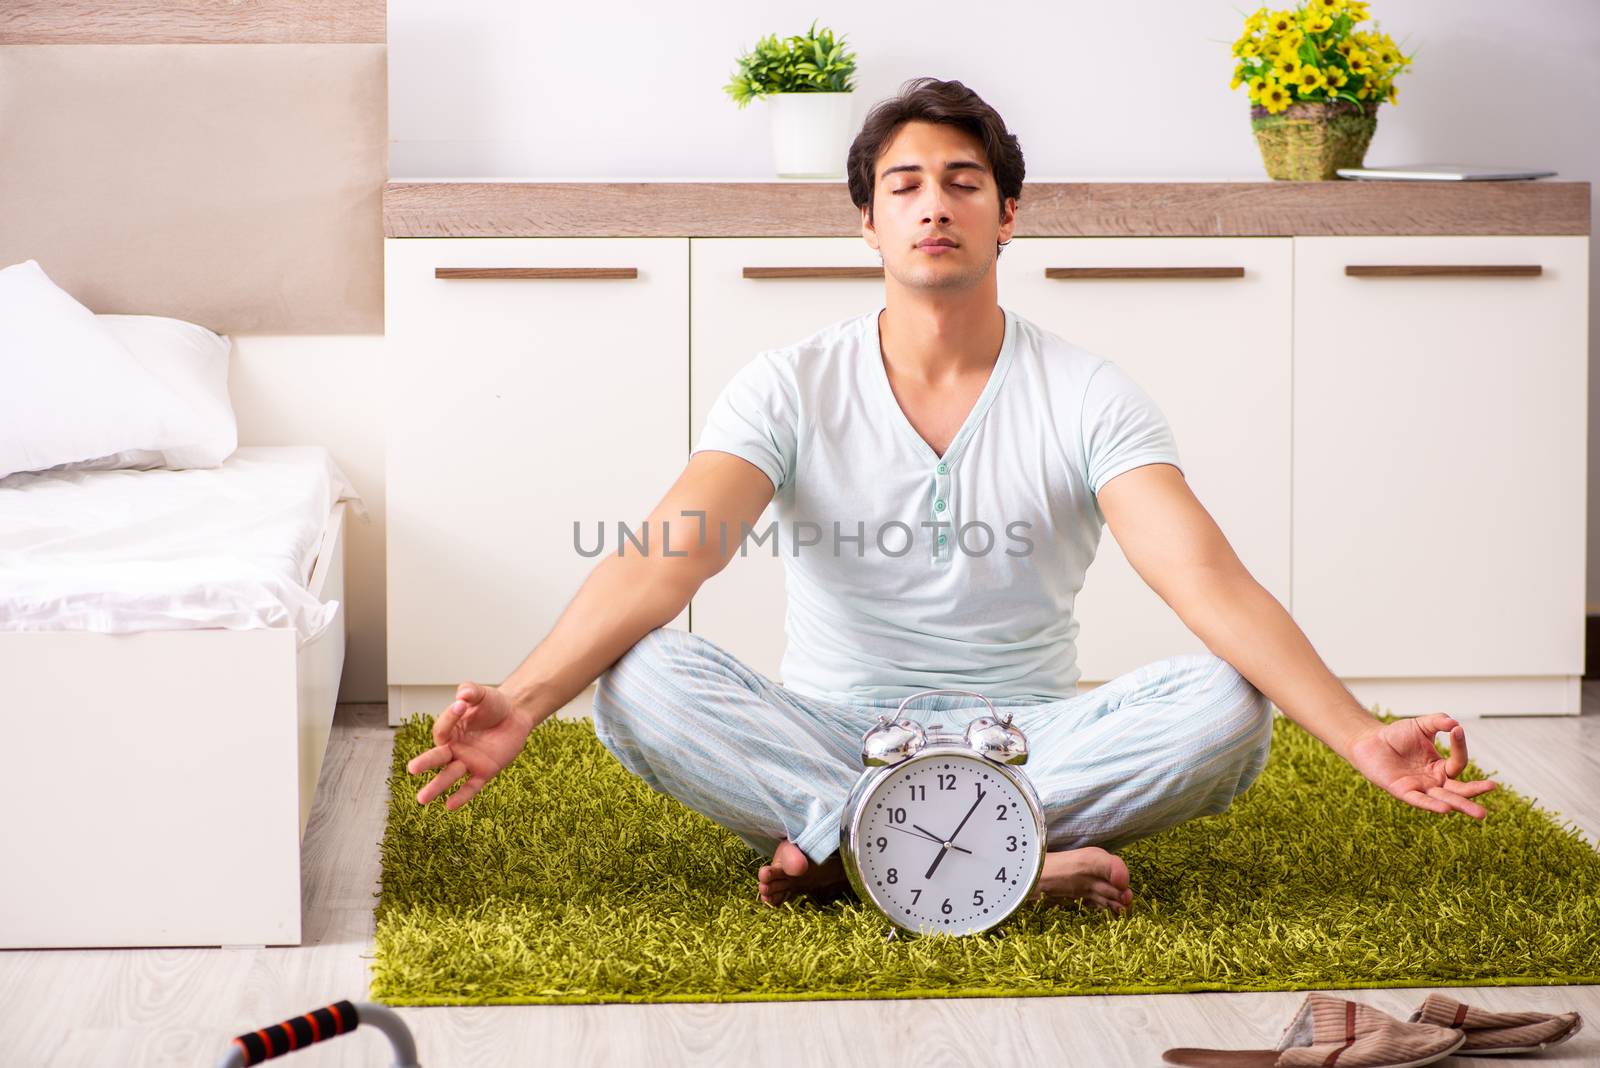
x=568 y=880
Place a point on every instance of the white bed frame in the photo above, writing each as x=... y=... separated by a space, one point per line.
x=158 y=784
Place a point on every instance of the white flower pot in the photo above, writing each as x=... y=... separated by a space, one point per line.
x=811 y=133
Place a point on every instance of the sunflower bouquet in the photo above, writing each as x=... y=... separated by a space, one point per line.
x=1314 y=56
x=1315 y=52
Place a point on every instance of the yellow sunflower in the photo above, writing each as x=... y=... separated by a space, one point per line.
x=1317 y=21
x=1360 y=62
x=1275 y=98
x=1309 y=80
x=1336 y=77
x=1238 y=77
x=1281 y=22
x=1288 y=67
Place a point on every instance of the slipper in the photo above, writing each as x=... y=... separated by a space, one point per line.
x=1330 y=1031
x=1490 y=1033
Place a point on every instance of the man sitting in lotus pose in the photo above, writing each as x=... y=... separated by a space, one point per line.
x=938 y=414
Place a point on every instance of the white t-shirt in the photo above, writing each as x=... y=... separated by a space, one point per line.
x=899 y=610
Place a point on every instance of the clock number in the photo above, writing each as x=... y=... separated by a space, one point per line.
x=897 y=815
x=919 y=793
x=948 y=782
x=914 y=895
x=945 y=908
x=893 y=876
x=1012 y=848
x=883 y=845
x=1002 y=814
x=1000 y=876
x=977 y=898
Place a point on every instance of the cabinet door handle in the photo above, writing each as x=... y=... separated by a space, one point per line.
x=813 y=272
x=1144 y=272
x=536 y=272
x=1489 y=270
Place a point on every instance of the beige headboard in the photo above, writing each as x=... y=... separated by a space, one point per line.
x=216 y=161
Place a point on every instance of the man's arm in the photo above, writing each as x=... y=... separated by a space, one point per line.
x=1174 y=545
x=1177 y=548
x=626 y=597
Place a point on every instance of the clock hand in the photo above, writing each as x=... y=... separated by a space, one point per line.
x=968 y=816
x=952 y=838
x=925 y=834
x=935 y=838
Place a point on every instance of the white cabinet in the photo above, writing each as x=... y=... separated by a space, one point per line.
x=1440 y=453
x=1399 y=459
x=734 y=318
x=1212 y=348
x=524 y=395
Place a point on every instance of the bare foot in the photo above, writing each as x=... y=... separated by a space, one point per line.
x=1098 y=878
x=792 y=872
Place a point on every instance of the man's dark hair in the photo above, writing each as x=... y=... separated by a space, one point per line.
x=931 y=100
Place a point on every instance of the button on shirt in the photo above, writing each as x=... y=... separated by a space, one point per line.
x=907 y=570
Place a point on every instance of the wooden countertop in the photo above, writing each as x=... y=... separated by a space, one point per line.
x=647 y=208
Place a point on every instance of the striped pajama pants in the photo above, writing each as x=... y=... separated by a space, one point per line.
x=1175 y=739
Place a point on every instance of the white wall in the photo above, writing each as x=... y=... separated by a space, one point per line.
x=327 y=391
x=509 y=89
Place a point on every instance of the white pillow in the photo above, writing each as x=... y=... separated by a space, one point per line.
x=69 y=390
x=193 y=362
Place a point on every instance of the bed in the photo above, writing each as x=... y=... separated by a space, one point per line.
x=170 y=649
x=172 y=624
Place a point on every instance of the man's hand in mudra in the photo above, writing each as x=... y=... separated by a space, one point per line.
x=1400 y=758
x=478 y=735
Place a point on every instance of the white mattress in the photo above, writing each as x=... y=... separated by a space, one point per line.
x=121 y=551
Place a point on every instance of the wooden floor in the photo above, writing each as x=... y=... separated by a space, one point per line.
x=180 y=1006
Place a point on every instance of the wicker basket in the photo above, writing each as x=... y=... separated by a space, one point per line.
x=1308 y=141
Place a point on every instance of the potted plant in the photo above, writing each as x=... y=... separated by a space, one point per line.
x=1315 y=85
x=807 y=80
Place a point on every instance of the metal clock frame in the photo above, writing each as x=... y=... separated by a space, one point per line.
x=939 y=745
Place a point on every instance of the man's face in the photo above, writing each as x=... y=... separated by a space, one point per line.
x=933 y=182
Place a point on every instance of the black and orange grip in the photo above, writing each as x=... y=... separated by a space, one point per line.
x=318 y=1025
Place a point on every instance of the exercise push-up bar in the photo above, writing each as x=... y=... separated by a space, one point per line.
x=319 y=1025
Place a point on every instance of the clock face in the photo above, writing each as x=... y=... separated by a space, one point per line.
x=947 y=842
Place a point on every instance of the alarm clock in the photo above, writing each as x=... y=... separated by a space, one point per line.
x=942 y=831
